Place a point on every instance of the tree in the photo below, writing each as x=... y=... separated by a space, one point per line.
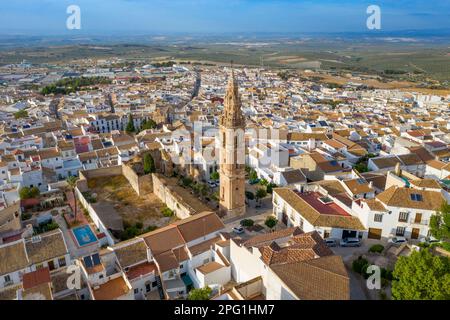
x=253 y=175
x=215 y=175
x=270 y=187
x=271 y=222
x=200 y=294
x=24 y=193
x=148 y=124
x=72 y=184
x=440 y=223
x=130 y=126
x=149 y=164
x=186 y=181
x=249 y=195
x=34 y=192
x=421 y=276
x=260 y=194
x=264 y=182
x=21 y=114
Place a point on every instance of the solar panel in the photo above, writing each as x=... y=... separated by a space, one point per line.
x=96 y=259
x=88 y=262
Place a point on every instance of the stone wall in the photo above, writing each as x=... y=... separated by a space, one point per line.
x=140 y=184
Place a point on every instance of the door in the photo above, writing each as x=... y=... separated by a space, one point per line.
x=418 y=218
x=51 y=265
x=348 y=234
x=374 y=233
x=284 y=218
x=415 y=233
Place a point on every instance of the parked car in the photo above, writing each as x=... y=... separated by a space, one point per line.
x=429 y=240
x=397 y=240
x=238 y=230
x=212 y=184
x=350 y=242
x=331 y=242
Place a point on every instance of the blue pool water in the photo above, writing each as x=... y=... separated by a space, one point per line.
x=84 y=235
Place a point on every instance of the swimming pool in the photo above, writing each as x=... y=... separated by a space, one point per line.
x=84 y=235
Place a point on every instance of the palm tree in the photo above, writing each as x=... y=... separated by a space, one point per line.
x=72 y=183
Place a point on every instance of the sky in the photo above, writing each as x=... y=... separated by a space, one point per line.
x=109 y=17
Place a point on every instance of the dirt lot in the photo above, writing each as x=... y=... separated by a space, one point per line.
x=133 y=208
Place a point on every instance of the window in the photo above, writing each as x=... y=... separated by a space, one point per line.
x=147 y=287
x=206 y=261
x=39 y=266
x=416 y=197
x=100 y=276
x=403 y=217
x=400 y=231
x=7 y=278
x=378 y=217
x=136 y=291
x=181 y=266
x=154 y=284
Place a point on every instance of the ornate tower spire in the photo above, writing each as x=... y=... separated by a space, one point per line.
x=232 y=152
x=232 y=116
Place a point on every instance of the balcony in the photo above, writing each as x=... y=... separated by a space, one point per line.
x=422 y=222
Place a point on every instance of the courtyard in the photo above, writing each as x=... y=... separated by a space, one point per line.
x=134 y=209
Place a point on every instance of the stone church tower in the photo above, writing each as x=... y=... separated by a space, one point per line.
x=232 y=153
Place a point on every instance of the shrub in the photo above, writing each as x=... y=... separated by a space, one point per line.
x=271 y=222
x=445 y=246
x=386 y=274
x=167 y=212
x=139 y=225
x=200 y=294
x=359 y=265
x=376 y=248
x=247 y=223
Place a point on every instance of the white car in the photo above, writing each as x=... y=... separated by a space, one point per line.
x=212 y=184
x=238 y=230
x=429 y=240
x=397 y=240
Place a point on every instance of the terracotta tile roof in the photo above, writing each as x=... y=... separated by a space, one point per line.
x=210 y=267
x=401 y=197
x=375 y=205
x=293 y=176
x=356 y=187
x=35 y=278
x=111 y=290
x=426 y=183
x=303 y=136
x=166 y=261
x=50 y=246
x=266 y=238
x=318 y=279
x=163 y=239
x=131 y=253
x=315 y=217
x=13 y=257
x=199 y=225
x=204 y=246
x=140 y=270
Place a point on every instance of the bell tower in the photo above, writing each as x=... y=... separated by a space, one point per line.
x=232 y=153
